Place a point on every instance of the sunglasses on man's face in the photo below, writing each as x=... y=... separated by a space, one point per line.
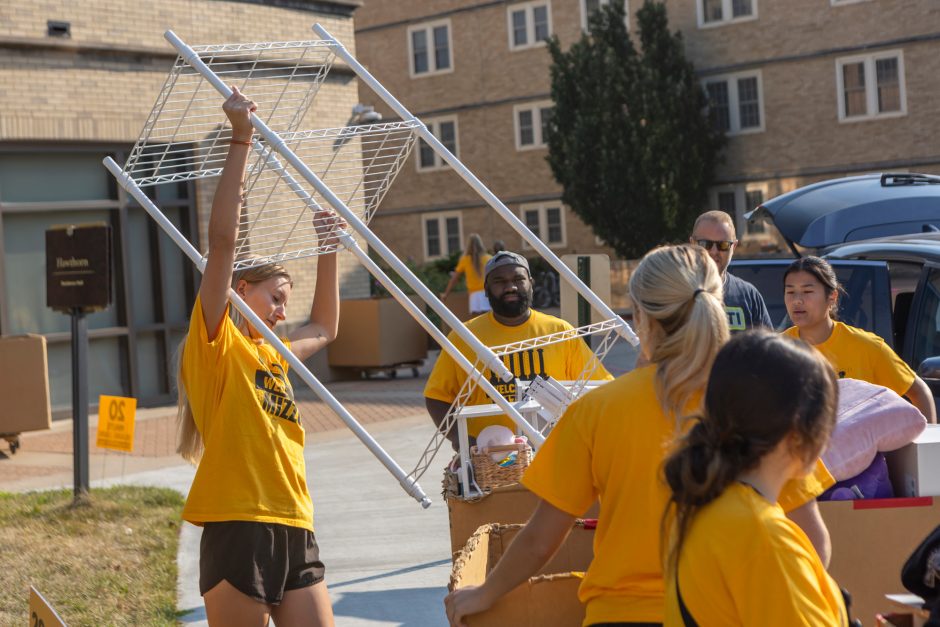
x=723 y=245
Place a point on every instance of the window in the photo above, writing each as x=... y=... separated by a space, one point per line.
x=589 y=7
x=132 y=342
x=926 y=333
x=546 y=221
x=532 y=122
x=735 y=103
x=529 y=24
x=871 y=86
x=429 y=49
x=738 y=200
x=717 y=12
x=445 y=129
x=442 y=235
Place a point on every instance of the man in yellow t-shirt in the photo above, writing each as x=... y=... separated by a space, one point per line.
x=508 y=287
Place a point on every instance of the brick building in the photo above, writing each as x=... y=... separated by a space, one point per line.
x=79 y=80
x=805 y=89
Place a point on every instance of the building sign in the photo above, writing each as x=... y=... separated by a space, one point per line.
x=116 y=423
x=78 y=267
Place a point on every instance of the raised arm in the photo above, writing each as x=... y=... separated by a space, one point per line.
x=323 y=323
x=226 y=208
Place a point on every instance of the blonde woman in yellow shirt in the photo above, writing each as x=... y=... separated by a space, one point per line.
x=610 y=444
x=736 y=559
x=238 y=421
x=470 y=265
x=811 y=295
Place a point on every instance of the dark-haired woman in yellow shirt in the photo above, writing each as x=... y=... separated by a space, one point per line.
x=736 y=559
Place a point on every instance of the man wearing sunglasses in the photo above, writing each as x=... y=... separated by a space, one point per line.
x=714 y=231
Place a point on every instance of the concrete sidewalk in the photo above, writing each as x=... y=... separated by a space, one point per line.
x=388 y=560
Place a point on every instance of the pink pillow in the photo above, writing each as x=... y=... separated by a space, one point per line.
x=871 y=418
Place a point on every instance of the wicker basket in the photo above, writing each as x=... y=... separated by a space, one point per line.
x=490 y=474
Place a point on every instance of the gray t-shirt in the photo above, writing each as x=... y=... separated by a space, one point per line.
x=744 y=305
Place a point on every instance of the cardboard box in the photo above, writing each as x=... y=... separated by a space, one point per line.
x=871 y=540
x=24 y=386
x=915 y=469
x=549 y=598
x=375 y=333
x=506 y=505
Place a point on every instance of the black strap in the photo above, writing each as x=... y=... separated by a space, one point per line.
x=687 y=619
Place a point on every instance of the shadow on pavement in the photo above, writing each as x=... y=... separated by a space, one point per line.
x=406 y=607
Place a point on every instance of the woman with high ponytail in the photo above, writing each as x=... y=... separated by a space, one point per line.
x=735 y=558
x=610 y=445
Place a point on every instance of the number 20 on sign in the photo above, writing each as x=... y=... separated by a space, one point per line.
x=116 y=423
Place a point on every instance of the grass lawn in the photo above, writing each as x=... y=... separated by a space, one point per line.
x=110 y=561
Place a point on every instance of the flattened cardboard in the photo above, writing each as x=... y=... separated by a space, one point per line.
x=374 y=333
x=24 y=385
x=871 y=540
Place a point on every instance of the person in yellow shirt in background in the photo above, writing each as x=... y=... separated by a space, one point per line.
x=610 y=446
x=470 y=265
x=811 y=295
x=736 y=559
x=508 y=287
x=258 y=556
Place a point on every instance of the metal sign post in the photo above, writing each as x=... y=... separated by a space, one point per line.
x=78 y=281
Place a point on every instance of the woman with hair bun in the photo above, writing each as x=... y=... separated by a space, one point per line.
x=736 y=559
x=811 y=295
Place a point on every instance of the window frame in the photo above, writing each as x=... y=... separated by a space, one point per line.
x=741 y=207
x=441 y=218
x=535 y=108
x=542 y=207
x=726 y=6
x=734 y=101
x=529 y=8
x=433 y=125
x=585 y=17
x=871 y=85
x=428 y=28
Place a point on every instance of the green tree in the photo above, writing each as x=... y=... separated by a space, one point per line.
x=630 y=140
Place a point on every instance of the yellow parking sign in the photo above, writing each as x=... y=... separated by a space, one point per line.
x=116 y=423
x=41 y=614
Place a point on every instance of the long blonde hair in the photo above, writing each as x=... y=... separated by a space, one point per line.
x=679 y=287
x=475 y=250
x=188 y=439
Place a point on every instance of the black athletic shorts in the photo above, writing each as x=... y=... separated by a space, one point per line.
x=261 y=560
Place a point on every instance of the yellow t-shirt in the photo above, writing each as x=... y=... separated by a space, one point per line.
x=744 y=562
x=563 y=361
x=474 y=279
x=610 y=446
x=253 y=466
x=858 y=354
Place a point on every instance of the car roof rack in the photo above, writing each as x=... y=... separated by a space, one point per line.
x=904 y=178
